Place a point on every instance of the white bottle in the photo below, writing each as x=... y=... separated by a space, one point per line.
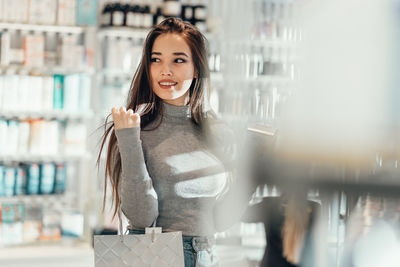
x=172 y=8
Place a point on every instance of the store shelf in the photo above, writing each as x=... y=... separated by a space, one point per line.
x=49 y=70
x=122 y=32
x=53 y=114
x=44 y=158
x=41 y=28
x=33 y=198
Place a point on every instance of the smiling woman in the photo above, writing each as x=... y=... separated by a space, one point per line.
x=166 y=153
x=172 y=69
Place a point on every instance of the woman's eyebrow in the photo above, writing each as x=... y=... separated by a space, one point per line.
x=180 y=54
x=175 y=54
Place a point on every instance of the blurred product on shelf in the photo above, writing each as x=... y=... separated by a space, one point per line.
x=26 y=93
x=46 y=67
x=274 y=20
x=33 y=182
x=49 y=12
x=144 y=16
x=42 y=137
x=32 y=179
x=24 y=220
x=71 y=224
x=86 y=12
x=40 y=50
x=32 y=222
x=121 y=54
x=171 y=8
x=12 y=215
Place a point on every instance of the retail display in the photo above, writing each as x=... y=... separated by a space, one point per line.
x=45 y=88
x=139 y=15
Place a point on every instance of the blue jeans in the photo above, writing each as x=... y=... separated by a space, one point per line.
x=198 y=251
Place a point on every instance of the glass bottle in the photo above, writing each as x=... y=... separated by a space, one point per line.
x=106 y=16
x=147 y=17
x=117 y=15
x=130 y=16
x=171 y=8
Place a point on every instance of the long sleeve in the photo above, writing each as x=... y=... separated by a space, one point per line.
x=139 y=200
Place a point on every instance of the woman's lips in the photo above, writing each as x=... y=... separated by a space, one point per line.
x=167 y=84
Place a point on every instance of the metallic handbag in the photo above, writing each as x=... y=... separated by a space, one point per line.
x=152 y=249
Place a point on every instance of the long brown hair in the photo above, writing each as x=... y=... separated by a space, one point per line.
x=141 y=94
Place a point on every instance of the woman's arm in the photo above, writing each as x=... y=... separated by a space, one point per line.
x=138 y=198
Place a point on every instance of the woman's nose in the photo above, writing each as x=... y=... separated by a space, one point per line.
x=166 y=70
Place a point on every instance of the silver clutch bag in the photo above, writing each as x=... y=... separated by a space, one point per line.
x=146 y=250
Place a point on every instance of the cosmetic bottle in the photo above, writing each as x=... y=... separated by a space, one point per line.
x=117 y=15
x=147 y=17
x=172 y=8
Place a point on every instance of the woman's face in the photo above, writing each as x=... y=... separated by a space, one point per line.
x=171 y=69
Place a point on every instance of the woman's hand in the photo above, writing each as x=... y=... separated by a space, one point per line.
x=125 y=118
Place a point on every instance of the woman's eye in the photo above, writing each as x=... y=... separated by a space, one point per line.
x=154 y=59
x=180 y=60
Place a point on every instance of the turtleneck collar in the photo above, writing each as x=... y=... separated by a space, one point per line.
x=176 y=111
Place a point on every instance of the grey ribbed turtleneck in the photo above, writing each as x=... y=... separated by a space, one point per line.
x=171 y=174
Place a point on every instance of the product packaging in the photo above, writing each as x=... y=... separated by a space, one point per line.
x=33 y=172
x=66 y=12
x=32 y=223
x=23 y=137
x=12 y=137
x=47 y=176
x=20 y=181
x=34 y=50
x=72 y=224
x=9 y=181
x=47 y=93
x=51 y=225
x=71 y=92
x=1 y=185
x=84 y=92
x=86 y=12
x=60 y=180
x=58 y=100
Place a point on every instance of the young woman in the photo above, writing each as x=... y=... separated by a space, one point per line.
x=167 y=155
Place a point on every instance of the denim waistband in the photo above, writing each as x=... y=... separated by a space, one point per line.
x=197 y=243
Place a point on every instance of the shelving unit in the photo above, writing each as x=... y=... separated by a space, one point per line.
x=48 y=115
x=41 y=28
x=44 y=158
x=78 y=175
x=122 y=32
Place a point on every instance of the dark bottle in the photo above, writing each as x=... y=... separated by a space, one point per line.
x=125 y=10
x=171 y=8
x=199 y=12
x=137 y=16
x=130 y=16
x=187 y=13
x=117 y=15
x=158 y=16
x=106 y=16
x=147 y=17
x=111 y=11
